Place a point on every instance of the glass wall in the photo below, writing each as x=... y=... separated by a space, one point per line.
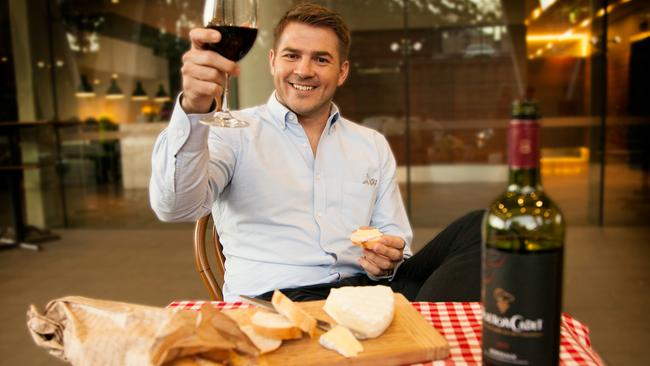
x=436 y=77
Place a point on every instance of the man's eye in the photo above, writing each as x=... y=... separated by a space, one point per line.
x=322 y=60
x=291 y=56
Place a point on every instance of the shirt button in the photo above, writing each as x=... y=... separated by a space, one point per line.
x=304 y=145
x=320 y=214
x=291 y=117
x=180 y=132
x=317 y=176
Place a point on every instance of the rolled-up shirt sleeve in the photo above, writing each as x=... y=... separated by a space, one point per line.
x=191 y=165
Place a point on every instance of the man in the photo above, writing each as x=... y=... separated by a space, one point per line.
x=287 y=191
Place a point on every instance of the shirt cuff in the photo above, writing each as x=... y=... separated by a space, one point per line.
x=186 y=131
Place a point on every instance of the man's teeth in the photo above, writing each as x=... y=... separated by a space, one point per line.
x=302 y=87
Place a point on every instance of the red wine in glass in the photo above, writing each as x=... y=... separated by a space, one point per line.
x=235 y=41
x=236 y=20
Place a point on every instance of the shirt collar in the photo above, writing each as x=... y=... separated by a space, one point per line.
x=283 y=115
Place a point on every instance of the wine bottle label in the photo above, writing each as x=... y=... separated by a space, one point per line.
x=521 y=307
x=523 y=144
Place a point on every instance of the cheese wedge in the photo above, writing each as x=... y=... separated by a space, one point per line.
x=341 y=340
x=367 y=309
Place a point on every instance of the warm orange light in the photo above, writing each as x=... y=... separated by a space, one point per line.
x=566 y=165
x=84 y=94
x=146 y=109
x=567 y=36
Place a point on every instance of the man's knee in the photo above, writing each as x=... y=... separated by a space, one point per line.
x=470 y=232
x=475 y=216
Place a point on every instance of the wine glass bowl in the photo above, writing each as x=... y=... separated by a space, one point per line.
x=235 y=41
x=236 y=20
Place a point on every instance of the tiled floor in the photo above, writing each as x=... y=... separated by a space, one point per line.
x=607 y=282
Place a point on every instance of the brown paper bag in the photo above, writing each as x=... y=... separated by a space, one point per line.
x=86 y=331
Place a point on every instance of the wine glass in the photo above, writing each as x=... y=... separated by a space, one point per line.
x=236 y=20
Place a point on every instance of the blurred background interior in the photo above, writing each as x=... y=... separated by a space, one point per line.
x=87 y=85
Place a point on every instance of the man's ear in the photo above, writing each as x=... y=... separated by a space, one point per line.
x=271 y=61
x=343 y=75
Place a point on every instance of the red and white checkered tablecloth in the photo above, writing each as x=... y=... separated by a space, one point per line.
x=460 y=324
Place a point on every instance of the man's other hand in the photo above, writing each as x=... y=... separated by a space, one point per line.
x=381 y=260
x=204 y=72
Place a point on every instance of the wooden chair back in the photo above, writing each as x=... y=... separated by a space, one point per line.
x=213 y=284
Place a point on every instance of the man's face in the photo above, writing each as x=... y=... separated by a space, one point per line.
x=307 y=68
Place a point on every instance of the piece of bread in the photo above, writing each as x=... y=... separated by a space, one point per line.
x=341 y=340
x=366 y=237
x=264 y=344
x=294 y=313
x=273 y=325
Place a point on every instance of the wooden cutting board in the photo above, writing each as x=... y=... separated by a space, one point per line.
x=409 y=339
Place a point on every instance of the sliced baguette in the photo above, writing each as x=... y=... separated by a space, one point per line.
x=368 y=244
x=366 y=237
x=264 y=344
x=272 y=325
x=293 y=312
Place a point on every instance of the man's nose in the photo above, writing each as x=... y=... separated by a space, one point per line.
x=304 y=68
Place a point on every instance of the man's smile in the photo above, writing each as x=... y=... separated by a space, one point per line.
x=303 y=87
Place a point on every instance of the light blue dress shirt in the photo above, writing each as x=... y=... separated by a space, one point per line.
x=284 y=216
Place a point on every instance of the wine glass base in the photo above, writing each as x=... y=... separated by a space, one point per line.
x=223 y=119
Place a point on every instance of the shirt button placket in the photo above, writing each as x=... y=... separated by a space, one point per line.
x=318 y=203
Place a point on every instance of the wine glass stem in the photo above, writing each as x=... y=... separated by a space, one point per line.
x=224 y=102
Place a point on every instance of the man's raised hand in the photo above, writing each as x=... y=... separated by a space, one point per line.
x=203 y=72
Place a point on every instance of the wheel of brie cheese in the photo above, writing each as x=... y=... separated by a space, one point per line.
x=366 y=309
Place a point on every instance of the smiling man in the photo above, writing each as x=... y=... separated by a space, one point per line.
x=287 y=191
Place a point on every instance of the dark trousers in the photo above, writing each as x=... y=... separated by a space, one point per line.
x=448 y=268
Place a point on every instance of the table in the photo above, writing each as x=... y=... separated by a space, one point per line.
x=460 y=324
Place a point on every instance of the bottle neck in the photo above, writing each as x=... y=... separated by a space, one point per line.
x=523 y=154
x=530 y=178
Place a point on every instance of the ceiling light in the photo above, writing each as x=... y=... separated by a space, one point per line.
x=114 y=91
x=85 y=89
x=139 y=93
x=161 y=95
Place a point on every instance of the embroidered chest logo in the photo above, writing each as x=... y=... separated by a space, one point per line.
x=370 y=181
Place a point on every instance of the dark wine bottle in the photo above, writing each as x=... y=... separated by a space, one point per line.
x=523 y=244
